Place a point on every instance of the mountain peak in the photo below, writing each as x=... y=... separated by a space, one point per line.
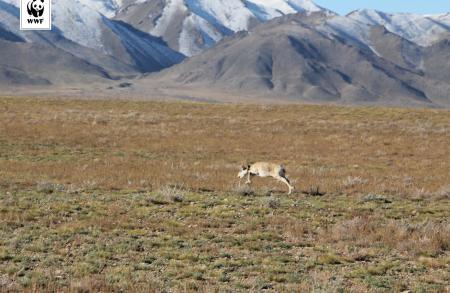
x=420 y=29
x=190 y=26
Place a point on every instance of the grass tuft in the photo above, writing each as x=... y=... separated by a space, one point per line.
x=243 y=190
x=174 y=193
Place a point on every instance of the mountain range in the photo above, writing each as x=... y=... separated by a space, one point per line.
x=190 y=26
x=81 y=35
x=291 y=50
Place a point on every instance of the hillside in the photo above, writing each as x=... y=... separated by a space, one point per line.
x=291 y=57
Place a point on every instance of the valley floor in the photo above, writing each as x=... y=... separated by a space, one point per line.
x=143 y=196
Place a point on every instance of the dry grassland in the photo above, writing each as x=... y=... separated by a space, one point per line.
x=141 y=196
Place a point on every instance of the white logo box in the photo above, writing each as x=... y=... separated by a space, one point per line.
x=35 y=15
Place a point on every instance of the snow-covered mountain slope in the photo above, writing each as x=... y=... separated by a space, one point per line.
x=106 y=7
x=190 y=26
x=82 y=23
x=354 y=31
x=9 y=31
x=416 y=30
x=420 y=29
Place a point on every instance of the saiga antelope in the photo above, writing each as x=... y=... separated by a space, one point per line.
x=265 y=169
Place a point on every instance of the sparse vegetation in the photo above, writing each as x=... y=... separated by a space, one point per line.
x=88 y=201
x=243 y=190
x=172 y=193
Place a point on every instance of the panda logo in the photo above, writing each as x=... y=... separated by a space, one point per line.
x=35 y=8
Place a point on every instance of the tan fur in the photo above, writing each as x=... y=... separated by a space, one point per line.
x=266 y=169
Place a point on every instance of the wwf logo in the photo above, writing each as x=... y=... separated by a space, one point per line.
x=36 y=8
x=35 y=15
